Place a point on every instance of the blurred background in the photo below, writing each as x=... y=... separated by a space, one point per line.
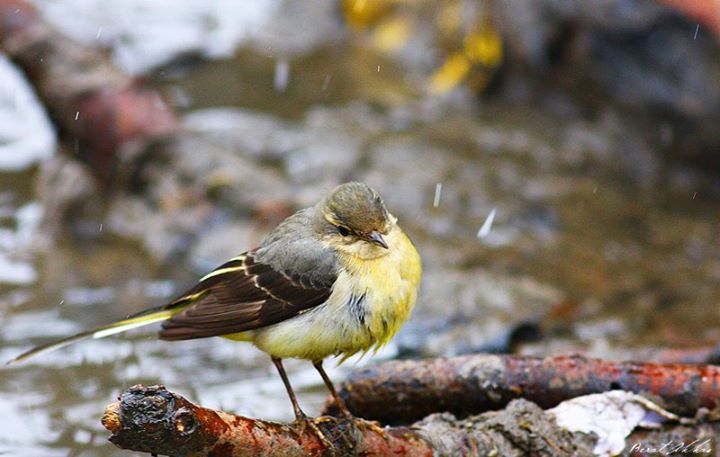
x=556 y=163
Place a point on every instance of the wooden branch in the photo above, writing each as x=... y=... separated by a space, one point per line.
x=108 y=116
x=406 y=391
x=154 y=420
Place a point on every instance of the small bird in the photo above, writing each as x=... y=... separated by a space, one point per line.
x=334 y=279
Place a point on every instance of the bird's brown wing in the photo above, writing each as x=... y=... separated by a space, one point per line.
x=242 y=294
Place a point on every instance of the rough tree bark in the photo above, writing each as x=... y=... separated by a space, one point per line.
x=152 y=419
x=406 y=391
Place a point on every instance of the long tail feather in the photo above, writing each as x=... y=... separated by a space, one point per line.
x=135 y=321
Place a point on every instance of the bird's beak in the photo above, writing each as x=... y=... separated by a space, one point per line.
x=376 y=238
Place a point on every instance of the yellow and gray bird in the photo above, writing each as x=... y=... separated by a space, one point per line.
x=335 y=279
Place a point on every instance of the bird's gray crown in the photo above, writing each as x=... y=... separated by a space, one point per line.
x=356 y=206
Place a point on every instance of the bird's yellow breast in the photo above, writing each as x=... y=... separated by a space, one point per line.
x=371 y=299
x=390 y=283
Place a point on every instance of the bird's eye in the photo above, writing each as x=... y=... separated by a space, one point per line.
x=343 y=231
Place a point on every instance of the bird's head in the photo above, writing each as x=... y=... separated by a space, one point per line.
x=353 y=219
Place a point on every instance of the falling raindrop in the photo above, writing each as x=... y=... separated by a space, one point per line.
x=326 y=82
x=487 y=225
x=282 y=75
x=438 y=191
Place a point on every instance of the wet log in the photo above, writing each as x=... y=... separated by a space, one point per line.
x=402 y=392
x=109 y=119
x=152 y=419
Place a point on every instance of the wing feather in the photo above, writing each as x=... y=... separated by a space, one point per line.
x=240 y=295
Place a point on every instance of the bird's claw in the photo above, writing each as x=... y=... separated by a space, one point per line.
x=305 y=423
x=375 y=426
x=344 y=432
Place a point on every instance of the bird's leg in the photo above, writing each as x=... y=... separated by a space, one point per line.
x=375 y=426
x=350 y=443
x=328 y=383
x=300 y=416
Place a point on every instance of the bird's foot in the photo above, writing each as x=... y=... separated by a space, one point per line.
x=358 y=421
x=375 y=426
x=309 y=423
x=346 y=429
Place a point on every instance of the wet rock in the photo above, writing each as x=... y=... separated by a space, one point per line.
x=26 y=135
x=164 y=232
x=69 y=195
x=254 y=134
x=327 y=160
x=236 y=180
x=327 y=156
x=522 y=428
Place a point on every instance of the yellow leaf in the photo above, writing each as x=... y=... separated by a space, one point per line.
x=392 y=34
x=484 y=46
x=452 y=72
x=361 y=14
